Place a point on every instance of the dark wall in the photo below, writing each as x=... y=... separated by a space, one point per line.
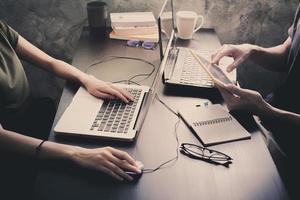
x=54 y=26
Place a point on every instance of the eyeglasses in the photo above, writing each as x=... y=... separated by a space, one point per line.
x=145 y=44
x=205 y=154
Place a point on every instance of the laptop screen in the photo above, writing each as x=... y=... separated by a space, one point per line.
x=166 y=26
x=166 y=34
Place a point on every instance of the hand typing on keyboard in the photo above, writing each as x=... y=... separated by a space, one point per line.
x=105 y=90
x=116 y=116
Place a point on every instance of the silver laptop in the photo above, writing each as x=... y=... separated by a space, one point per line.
x=112 y=119
x=109 y=119
x=181 y=67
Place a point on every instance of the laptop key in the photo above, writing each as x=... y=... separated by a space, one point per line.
x=115 y=115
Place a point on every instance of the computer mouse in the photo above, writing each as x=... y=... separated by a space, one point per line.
x=134 y=175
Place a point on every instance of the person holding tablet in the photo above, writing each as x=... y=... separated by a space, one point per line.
x=25 y=122
x=280 y=111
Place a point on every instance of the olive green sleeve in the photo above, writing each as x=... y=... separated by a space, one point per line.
x=11 y=35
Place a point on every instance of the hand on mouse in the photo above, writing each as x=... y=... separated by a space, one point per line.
x=108 y=160
x=135 y=175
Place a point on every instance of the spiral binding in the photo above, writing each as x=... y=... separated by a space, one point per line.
x=212 y=121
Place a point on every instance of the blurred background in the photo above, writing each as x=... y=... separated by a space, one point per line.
x=55 y=27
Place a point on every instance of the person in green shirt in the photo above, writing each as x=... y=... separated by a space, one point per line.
x=15 y=99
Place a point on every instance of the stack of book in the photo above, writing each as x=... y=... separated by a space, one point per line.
x=134 y=26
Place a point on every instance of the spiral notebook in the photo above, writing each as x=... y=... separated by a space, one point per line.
x=213 y=125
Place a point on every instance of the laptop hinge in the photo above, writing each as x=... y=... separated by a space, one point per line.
x=171 y=61
x=146 y=94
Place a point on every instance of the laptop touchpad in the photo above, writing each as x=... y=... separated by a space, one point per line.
x=80 y=113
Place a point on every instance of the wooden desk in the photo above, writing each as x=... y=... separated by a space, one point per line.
x=253 y=174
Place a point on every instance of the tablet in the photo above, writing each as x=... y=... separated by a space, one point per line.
x=218 y=76
x=214 y=71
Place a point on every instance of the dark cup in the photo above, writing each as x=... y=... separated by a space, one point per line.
x=97 y=17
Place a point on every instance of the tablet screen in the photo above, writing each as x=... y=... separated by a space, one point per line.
x=218 y=73
x=218 y=76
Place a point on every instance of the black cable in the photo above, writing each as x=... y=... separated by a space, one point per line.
x=130 y=80
x=176 y=136
x=127 y=82
x=167 y=106
x=172 y=159
x=226 y=164
x=147 y=75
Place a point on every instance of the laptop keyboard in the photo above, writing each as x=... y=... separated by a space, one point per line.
x=192 y=73
x=189 y=71
x=115 y=116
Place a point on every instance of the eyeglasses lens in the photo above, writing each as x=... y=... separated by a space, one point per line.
x=205 y=153
x=145 y=45
x=133 y=43
x=149 y=45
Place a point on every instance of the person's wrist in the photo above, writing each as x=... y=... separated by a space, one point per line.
x=267 y=109
x=38 y=149
x=51 y=150
x=84 y=79
x=73 y=153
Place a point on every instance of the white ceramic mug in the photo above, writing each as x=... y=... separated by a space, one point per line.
x=186 y=22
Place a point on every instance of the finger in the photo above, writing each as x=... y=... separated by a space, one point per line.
x=103 y=95
x=230 y=99
x=125 y=93
x=121 y=96
x=236 y=63
x=123 y=156
x=116 y=93
x=220 y=88
x=224 y=51
x=223 y=88
x=231 y=67
x=212 y=58
x=118 y=171
x=125 y=165
x=110 y=173
x=214 y=55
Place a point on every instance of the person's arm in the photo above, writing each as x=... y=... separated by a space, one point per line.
x=283 y=115
x=96 y=87
x=108 y=160
x=273 y=58
x=243 y=99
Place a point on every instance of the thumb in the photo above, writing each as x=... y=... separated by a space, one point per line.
x=224 y=90
x=236 y=90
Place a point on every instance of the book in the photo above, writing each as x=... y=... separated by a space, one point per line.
x=142 y=37
x=135 y=30
x=213 y=125
x=131 y=19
